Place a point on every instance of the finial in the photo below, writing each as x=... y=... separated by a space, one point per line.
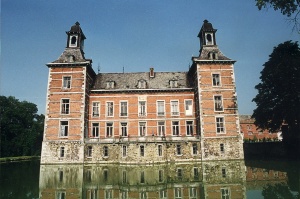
x=205 y=21
x=77 y=23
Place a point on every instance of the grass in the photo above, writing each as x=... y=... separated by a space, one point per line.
x=19 y=158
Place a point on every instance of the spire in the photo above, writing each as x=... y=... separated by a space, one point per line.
x=207 y=34
x=75 y=37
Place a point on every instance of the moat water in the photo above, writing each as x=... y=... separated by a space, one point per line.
x=216 y=179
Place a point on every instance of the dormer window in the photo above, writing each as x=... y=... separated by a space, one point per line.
x=142 y=83
x=73 y=41
x=212 y=55
x=71 y=58
x=110 y=84
x=173 y=83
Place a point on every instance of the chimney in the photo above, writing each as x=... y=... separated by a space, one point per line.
x=151 y=72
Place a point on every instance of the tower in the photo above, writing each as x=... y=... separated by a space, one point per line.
x=70 y=78
x=216 y=103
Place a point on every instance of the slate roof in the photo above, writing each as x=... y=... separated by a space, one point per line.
x=161 y=80
x=204 y=53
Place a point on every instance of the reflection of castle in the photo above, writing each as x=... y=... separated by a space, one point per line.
x=222 y=179
x=141 y=117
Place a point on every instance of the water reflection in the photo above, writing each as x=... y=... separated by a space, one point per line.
x=216 y=179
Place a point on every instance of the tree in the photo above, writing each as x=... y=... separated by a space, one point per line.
x=290 y=8
x=21 y=127
x=278 y=98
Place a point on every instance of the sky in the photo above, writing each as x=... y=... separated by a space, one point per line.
x=136 y=35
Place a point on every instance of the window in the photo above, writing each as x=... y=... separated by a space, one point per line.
x=95 y=129
x=142 y=180
x=220 y=124
x=193 y=193
x=89 y=151
x=65 y=106
x=142 y=84
x=108 y=194
x=66 y=82
x=222 y=148
x=61 y=176
x=163 y=194
x=88 y=175
x=124 y=129
x=92 y=194
x=173 y=83
x=223 y=172
x=123 y=109
x=62 y=152
x=178 y=193
x=225 y=193
x=161 y=128
x=250 y=133
x=179 y=173
x=124 y=176
x=218 y=103
x=64 y=128
x=188 y=107
x=160 y=176
x=96 y=109
x=73 y=40
x=159 y=150
x=142 y=108
x=105 y=175
x=208 y=39
x=109 y=109
x=174 y=108
x=160 y=108
x=109 y=129
x=175 y=128
x=61 y=195
x=143 y=195
x=105 y=151
x=189 y=127
x=110 y=84
x=124 y=151
x=216 y=79
x=124 y=194
x=196 y=173
x=195 y=149
x=142 y=150
x=178 y=149
x=142 y=129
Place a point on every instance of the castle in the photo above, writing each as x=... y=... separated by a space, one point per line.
x=141 y=117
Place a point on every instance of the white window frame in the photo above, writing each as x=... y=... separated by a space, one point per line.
x=220 y=125
x=178 y=193
x=161 y=108
x=123 y=108
x=142 y=83
x=124 y=129
x=109 y=130
x=109 y=109
x=189 y=124
x=63 y=128
x=66 y=82
x=163 y=194
x=70 y=42
x=142 y=108
x=225 y=193
x=216 y=79
x=175 y=128
x=192 y=193
x=218 y=103
x=61 y=194
x=161 y=128
x=110 y=84
x=142 y=129
x=173 y=83
x=188 y=107
x=95 y=129
x=65 y=106
x=174 y=107
x=95 y=109
x=109 y=194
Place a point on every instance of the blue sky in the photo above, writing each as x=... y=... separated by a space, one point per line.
x=136 y=35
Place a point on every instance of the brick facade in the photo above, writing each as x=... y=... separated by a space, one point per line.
x=141 y=117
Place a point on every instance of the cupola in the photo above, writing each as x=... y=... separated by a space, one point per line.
x=207 y=35
x=75 y=37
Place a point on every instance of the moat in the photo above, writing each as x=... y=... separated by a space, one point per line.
x=211 y=179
